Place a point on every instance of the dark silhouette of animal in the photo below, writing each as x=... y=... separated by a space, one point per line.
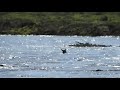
x=64 y=51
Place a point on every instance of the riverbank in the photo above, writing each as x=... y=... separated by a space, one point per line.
x=60 y=23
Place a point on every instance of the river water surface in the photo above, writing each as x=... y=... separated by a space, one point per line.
x=41 y=57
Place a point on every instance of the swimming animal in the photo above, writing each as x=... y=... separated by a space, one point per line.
x=64 y=51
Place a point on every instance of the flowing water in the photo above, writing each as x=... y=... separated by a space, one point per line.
x=41 y=57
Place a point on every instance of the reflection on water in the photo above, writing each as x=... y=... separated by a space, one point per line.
x=41 y=56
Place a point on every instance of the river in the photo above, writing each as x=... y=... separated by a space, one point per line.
x=40 y=56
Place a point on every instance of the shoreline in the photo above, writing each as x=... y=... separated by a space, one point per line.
x=58 y=35
x=61 y=24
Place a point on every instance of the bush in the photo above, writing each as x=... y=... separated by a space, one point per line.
x=103 y=18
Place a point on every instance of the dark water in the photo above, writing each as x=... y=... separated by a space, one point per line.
x=41 y=56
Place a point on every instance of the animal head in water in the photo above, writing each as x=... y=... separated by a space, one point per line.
x=63 y=51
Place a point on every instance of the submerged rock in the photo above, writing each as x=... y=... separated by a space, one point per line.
x=78 y=44
x=98 y=70
x=1 y=65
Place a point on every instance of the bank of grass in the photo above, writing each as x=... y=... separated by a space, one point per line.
x=60 y=23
